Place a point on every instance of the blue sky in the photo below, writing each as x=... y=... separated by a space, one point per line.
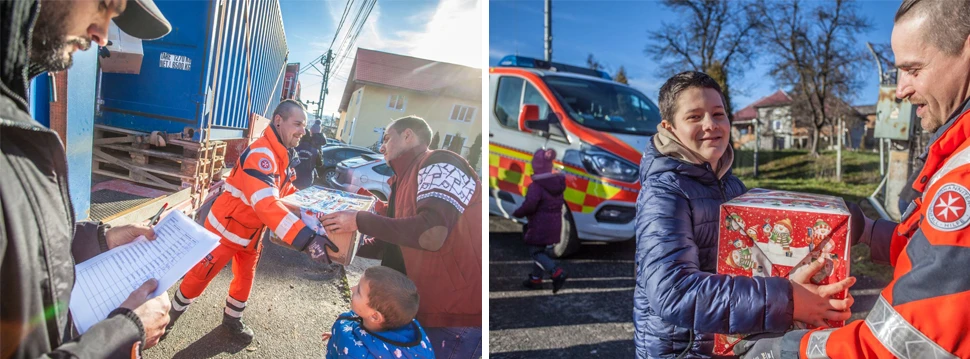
x=441 y=30
x=616 y=33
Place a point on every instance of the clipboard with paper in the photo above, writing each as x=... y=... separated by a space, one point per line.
x=105 y=281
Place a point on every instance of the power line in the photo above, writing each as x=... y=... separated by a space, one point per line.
x=353 y=41
x=336 y=32
x=342 y=18
x=340 y=49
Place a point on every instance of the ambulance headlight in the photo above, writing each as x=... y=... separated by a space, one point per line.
x=605 y=164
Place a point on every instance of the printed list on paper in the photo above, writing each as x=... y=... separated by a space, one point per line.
x=106 y=281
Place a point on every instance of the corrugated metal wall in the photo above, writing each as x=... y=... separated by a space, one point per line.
x=219 y=63
x=250 y=55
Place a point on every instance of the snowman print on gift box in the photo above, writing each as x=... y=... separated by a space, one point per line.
x=734 y=222
x=780 y=234
x=818 y=234
x=741 y=258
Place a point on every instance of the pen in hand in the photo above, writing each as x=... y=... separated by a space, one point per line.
x=157 y=216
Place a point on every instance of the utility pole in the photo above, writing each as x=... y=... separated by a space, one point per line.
x=326 y=61
x=548 y=30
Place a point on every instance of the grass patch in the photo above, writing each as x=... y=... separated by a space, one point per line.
x=797 y=171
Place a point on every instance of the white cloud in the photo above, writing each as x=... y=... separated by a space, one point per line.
x=450 y=32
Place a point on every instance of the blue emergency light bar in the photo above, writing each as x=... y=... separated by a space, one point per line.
x=528 y=62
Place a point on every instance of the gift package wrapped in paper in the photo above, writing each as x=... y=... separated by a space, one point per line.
x=314 y=202
x=772 y=233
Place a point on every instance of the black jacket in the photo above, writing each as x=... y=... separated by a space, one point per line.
x=37 y=253
x=308 y=152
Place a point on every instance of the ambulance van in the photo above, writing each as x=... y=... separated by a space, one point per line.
x=598 y=128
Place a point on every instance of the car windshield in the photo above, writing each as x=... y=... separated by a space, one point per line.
x=606 y=106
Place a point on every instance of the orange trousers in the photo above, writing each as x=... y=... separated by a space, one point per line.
x=244 y=261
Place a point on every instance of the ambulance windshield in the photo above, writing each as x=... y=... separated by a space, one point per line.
x=605 y=106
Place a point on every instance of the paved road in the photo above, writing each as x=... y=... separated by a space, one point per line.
x=294 y=300
x=591 y=317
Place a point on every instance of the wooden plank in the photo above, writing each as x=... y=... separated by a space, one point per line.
x=153 y=153
x=114 y=140
x=131 y=168
x=161 y=170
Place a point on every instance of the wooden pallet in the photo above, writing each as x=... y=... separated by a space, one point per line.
x=128 y=155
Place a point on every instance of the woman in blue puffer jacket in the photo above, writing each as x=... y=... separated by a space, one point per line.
x=685 y=176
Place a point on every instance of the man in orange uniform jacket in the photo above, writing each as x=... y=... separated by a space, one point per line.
x=924 y=311
x=249 y=203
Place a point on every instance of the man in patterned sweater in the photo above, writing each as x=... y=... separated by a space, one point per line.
x=433 y=224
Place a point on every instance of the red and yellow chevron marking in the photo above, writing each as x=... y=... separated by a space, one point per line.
x=510 y=169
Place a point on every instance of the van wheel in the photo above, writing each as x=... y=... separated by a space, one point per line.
x=568 y=239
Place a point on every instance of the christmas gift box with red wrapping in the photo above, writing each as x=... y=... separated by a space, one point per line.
x=772 y=233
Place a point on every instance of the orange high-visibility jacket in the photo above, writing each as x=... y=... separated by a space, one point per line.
x=925 y=310
x=251 y=198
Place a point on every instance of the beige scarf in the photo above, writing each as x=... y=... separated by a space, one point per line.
x=668 y=144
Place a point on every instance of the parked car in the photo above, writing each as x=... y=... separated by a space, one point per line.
x=332 y=155
x=334 y=142
x=368 y=172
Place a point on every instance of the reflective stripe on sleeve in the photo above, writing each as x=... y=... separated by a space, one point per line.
x=283 y=229
x=264 y=193
x=816 y=344
x=899 y=336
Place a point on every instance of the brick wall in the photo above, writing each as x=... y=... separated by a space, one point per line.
x=58 y=111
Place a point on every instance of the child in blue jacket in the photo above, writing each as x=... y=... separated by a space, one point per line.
x=381 y=322
x=685 y=175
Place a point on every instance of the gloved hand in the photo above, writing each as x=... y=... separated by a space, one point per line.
x=317 y=249
x=860 y=224
x=760 y=346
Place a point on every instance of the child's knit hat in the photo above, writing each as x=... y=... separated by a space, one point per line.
x=542 y=160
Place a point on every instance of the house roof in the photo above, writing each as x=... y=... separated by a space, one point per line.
x=372 y=67
x=779 y=98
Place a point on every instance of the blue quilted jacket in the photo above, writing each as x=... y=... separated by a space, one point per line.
x=678 y=300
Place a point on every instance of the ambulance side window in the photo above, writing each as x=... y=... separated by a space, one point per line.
x=509 y=101
x=534 y=97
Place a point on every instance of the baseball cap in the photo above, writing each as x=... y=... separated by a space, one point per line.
x=143 y=20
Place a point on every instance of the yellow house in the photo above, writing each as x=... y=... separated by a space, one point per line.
x=384 y=86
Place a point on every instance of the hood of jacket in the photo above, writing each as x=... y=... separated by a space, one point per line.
x=17 y=20
x=554 y=183
x=666 y=152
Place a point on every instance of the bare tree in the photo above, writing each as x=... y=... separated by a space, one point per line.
x=813 y=51
x=714 y=37
x=592 y=63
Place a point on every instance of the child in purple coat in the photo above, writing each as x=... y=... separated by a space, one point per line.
x=543 y=208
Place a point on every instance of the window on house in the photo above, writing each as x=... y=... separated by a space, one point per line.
x=463 y=113
x=776 y=125
x=396 y=102
x=447 y=141
x=358 y=98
